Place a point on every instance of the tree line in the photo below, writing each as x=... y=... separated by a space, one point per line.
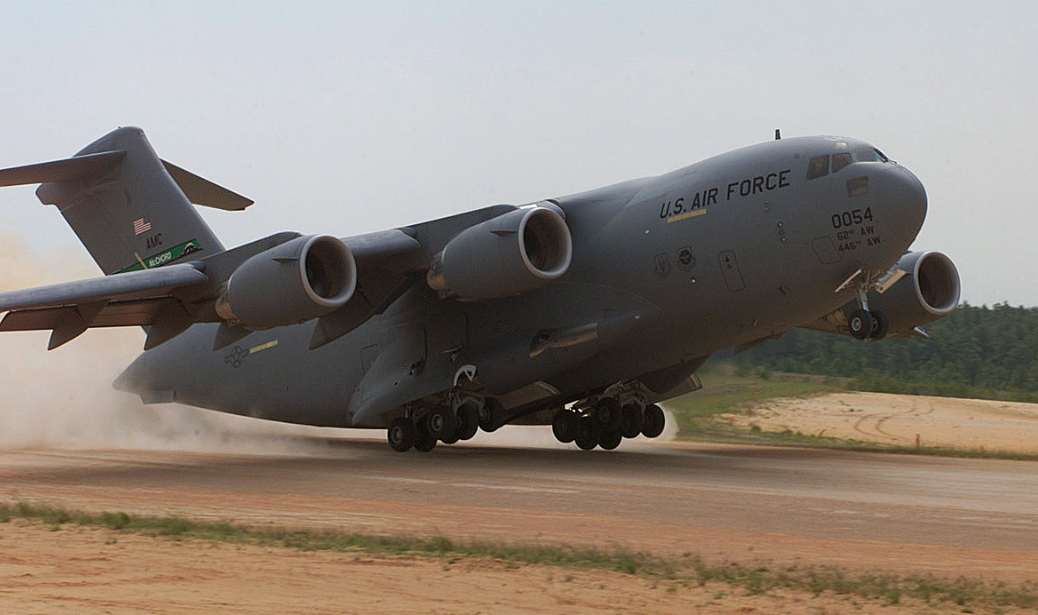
x=981 y=351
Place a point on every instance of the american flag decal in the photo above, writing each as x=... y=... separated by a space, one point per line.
x=140 y=226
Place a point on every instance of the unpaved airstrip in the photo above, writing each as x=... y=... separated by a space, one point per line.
x=860 y=511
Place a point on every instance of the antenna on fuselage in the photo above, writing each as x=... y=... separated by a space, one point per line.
x=778 y=135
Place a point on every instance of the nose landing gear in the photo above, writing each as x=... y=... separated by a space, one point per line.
x=864 y=323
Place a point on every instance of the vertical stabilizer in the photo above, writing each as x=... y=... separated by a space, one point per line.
x=124 y=205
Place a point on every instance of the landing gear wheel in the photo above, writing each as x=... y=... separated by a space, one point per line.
x=589 y=432
x=453 y=438
x=610 y=439
x=608 y=414
x=654 y=421
x=400 y=434
x=424 y=441
x=492 y=416
x=860 y=324
x=880 y=325
x=468 y=422
x=633 y=421
x=441 y=423
x=564 y=426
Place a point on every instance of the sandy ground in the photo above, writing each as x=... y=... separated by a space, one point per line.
x=862 y=512
x=897 y=419
x=90 y=570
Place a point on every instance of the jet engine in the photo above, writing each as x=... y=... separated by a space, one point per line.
x=504 y=256
x=928 y=291
x=296 y=281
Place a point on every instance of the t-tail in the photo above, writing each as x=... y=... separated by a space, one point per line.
x=131 y=209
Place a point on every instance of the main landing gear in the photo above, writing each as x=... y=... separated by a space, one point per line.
x=444 y=423
x=607 y=423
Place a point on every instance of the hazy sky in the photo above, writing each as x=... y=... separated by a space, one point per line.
x=346 y=118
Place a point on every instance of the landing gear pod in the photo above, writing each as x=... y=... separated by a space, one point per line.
x=508 y=255
x=291 y=283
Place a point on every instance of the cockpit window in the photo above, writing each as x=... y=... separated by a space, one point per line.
x=872 y=155
x=818 y=167
x=840 y=161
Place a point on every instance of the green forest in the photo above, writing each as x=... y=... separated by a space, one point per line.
x=987 y=352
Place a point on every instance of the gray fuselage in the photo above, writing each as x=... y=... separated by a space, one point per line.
x=669 y=269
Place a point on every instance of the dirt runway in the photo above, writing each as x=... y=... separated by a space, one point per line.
x=863 y=511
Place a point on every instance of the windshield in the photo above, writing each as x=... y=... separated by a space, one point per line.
x=819 y=165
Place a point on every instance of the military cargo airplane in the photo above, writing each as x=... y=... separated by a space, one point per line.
x=582 y=312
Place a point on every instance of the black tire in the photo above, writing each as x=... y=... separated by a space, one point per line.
x=589 y=432
x=564 y=426
x=492 y=416
x=608 y=413
x=453 y=438
x=610 y=439
x=468 y=421
x=633 y=421
x=400 y=434
x=860 y=324
x=655 y=421
x=424 y=440
x=441 y=423
x=880 y=325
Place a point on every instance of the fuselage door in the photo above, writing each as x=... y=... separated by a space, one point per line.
x=730 y=270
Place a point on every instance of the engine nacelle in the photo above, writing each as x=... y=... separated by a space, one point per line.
x=296 y=281
x=504 y=256
x=928 y=292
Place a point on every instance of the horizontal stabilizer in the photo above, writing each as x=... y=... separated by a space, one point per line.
x=69 y=169
x=201 y=191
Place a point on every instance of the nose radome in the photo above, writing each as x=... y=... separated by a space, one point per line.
x=905 y=198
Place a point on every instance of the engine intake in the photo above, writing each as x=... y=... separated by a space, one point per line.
x=929 y=291
x=296 y=281
x=504 y=256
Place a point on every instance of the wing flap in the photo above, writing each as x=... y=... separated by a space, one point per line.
x=118 y=314
x=135 y=298
x=121 y=287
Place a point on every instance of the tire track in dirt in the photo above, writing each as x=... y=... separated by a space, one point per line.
x=882 y=418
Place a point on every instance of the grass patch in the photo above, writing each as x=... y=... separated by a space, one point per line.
x=672 y=571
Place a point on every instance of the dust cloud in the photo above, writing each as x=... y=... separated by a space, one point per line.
x=64 y=398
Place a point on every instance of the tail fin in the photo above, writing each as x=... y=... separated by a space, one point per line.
x=131 y=209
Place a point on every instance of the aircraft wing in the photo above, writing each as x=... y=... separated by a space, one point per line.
x=69 y=308
x=385 y=262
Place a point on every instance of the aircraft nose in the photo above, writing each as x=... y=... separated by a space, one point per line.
x=905 y=199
